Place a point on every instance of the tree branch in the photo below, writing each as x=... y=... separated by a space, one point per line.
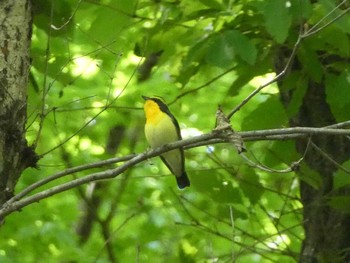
x=18 y=201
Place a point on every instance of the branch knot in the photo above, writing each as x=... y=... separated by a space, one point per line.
x=224 y=130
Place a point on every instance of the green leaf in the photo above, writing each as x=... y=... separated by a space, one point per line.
x=341 y=203
x=101 y=27
x=223 y=47
x=300 y=10
x=337 y=39
x=245 y=74
x=267 y=115
x=341 y=177
x=242 y=46
x=220 y=51
x=212 y=4
x=187 y=73
x=310 y=61
x=226 y=193
x=277 y=19
x=250 y=185
x=338 y=94
x=239 y=210
x=205 y=181
x=310 y=176
x=217 y=188
x=296 y=85
x=198 y=14
x=280 y=154
x=196 y=53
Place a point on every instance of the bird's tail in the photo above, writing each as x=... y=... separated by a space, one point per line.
x=183 y=181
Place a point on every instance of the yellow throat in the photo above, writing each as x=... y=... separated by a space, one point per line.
x=152 y=111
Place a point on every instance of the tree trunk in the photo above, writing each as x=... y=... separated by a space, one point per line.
x=15 y=37
x=327 y=229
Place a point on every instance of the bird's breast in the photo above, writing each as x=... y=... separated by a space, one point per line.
x=160 y=130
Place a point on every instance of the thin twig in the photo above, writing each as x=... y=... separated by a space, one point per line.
x=126 y=220
x=69 y=19
x=313 y=30
x=329 y=158
x=203 y=85
x=43 y=98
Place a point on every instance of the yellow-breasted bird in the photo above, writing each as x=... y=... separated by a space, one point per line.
x=162 y=128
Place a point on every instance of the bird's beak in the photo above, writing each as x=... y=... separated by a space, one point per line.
x=145 y=98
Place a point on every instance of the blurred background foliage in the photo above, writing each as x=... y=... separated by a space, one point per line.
x=91 y=62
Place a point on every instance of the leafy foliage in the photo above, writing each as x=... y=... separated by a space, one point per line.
x=86 y=56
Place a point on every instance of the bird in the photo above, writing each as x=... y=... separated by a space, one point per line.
x=161 y=128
